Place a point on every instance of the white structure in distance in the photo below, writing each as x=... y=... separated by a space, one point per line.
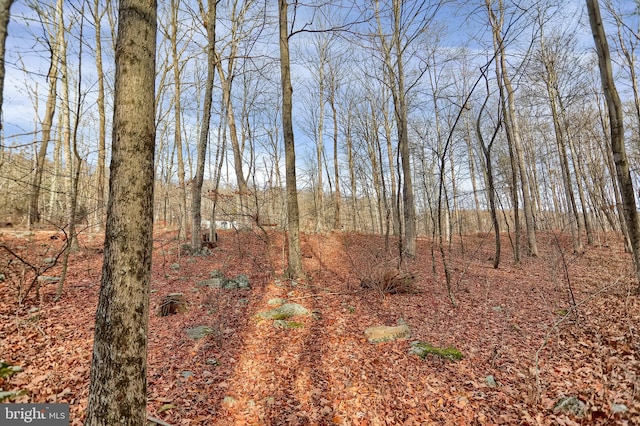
x=220 y=224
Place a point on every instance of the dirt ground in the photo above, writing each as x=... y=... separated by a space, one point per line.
x=559 y=325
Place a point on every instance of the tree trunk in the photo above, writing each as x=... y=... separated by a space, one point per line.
x=617 y=131
x=196 y=188
x=177 y=117
x=320 y=143
x=118 y=385
x=512 y=131
x=47 y=124
x=226 y=82
x=5 y=6
x=352 y=174
x=491 y=190
x=294 y=267
x=102 y=133
x=337 y=224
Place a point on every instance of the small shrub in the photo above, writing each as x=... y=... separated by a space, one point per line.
x=390 y=281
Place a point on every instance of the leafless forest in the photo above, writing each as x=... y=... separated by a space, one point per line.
x=513 y=125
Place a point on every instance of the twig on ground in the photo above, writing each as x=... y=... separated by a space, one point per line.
x=157 y=421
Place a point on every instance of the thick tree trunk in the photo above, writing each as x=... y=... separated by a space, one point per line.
x=118 y=387
x=294 y=267
x=617 y=131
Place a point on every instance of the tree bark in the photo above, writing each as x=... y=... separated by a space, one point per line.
x=196 y=194
x=617 y=131
x=5 y=6
x=102 y=133
x=177 y=117
x=294 y=267
x=118 y=384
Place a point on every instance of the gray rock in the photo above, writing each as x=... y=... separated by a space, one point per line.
x=229 y=401
x=49 y=260
x=293 y=309
x=570 y=405
x=216 y=274
x=212 y=282
x=229 y=285
x=491 y=381
x=383 y=333
x=45 y=279
x=175 y=266
x=187 y=374
x=199 y=332
x=619 y=408
x=276 y=301
x=2 y=278
x=285 y=311
x=243 y=282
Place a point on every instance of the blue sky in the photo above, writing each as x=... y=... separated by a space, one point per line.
x=460 y=24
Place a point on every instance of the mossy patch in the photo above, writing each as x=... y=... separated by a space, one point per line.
x=287 y=324
x=423 y=349
x=280 y=316
x=8 y=370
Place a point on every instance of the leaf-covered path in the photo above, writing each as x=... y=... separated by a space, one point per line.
x=517 y=324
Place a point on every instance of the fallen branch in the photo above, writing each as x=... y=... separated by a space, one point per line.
x=157 y=421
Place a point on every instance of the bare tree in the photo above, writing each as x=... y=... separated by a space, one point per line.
x=102 y=127
x=47 y=123
x=5 y=6
x=294 y=267
x=118 y=390
x=496 y=11
x=617 y=131
x=196 y=194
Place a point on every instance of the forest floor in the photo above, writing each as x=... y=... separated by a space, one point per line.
x=558 y=325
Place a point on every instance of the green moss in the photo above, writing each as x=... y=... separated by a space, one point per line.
x=423 y=349
x=287 y=324
x=8 y=370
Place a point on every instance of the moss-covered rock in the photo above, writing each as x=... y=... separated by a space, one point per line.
x=423 y=349
x=287 y=324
